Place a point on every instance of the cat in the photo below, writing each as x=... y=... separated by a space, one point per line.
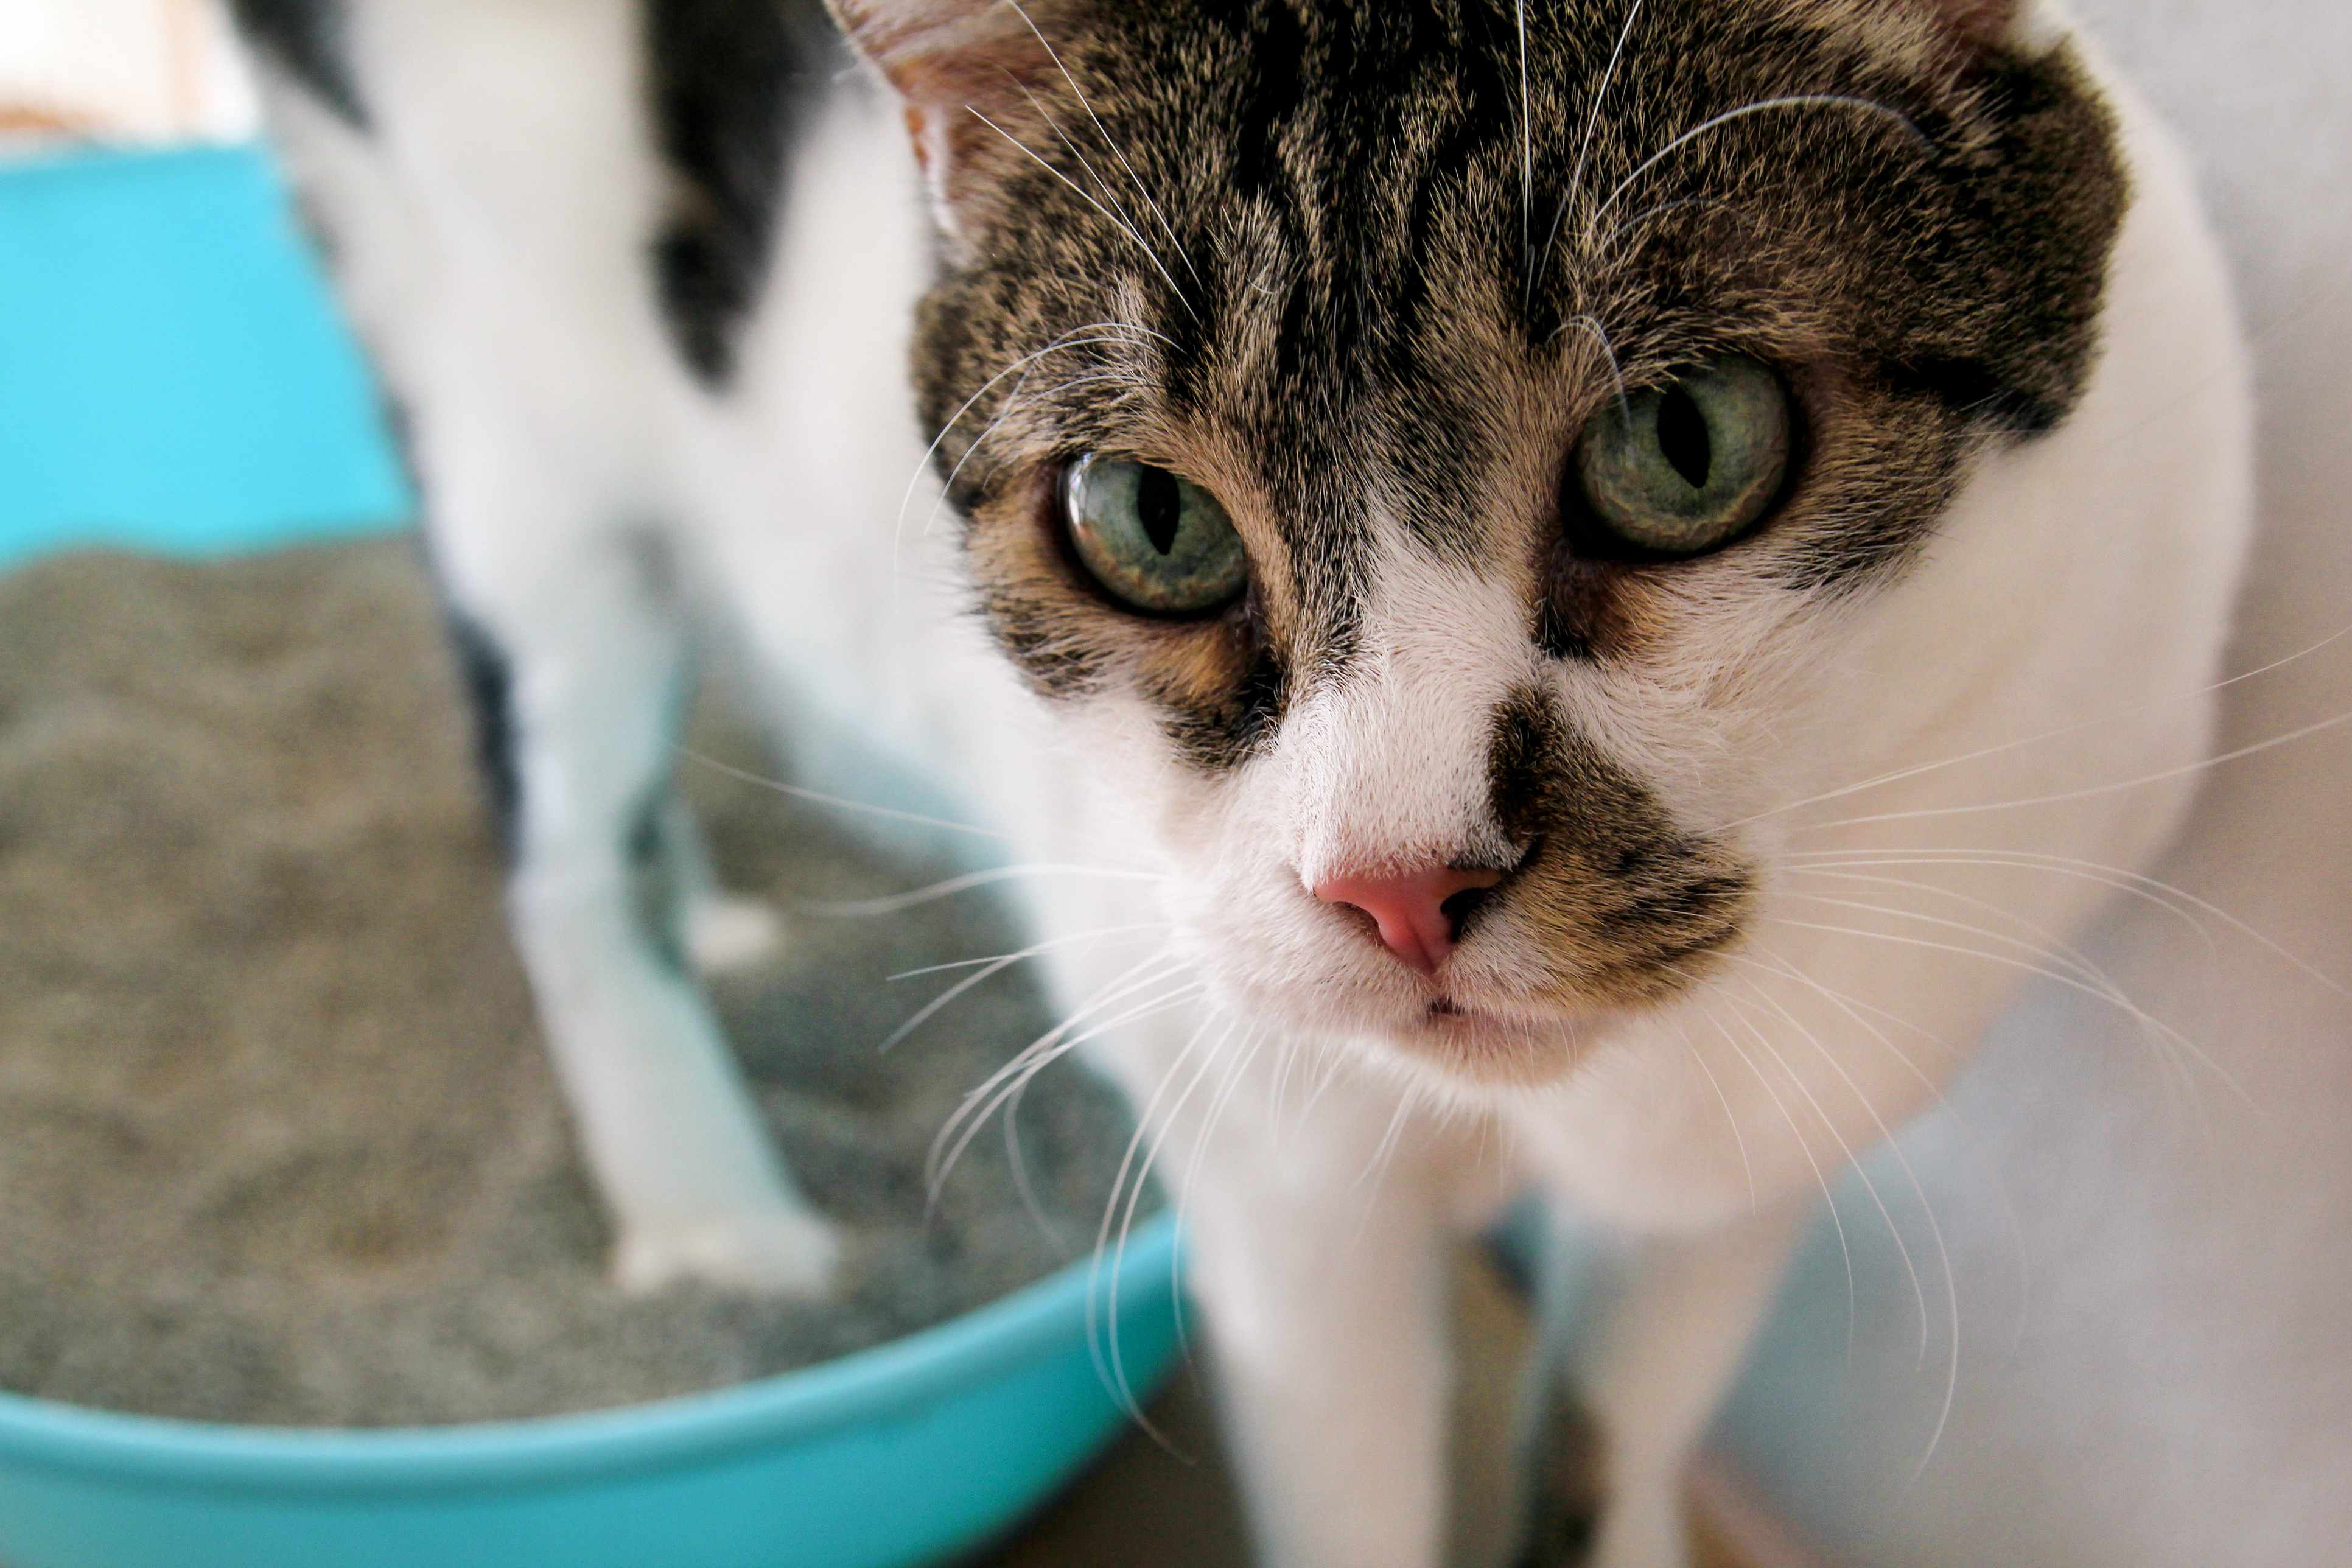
x=1449 y=524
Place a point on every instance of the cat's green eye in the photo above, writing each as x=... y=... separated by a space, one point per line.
x=1680 y=469
x=1156 y=542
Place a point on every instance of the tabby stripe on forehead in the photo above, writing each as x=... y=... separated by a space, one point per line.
x=730 y=82
x=1270 y=104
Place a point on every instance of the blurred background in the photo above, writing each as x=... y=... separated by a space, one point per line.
x=120 y=70
x=2148 y=1341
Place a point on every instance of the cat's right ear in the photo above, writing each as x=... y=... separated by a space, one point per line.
x=971 y=77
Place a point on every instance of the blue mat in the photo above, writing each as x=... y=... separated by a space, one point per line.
x=173 y=375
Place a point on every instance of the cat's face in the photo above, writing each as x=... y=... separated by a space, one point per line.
x=1429 y=455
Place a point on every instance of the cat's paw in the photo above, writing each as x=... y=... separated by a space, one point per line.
x=728 y=933
x=789 y=1254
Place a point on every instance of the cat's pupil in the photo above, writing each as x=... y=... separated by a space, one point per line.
x=1683 y=438
x=1160 y=508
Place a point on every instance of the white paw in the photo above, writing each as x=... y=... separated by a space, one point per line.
x=726 y=933
x=792 y=1254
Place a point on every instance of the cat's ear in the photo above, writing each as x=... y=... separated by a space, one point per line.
x=970 y=75
x=1977 y=22
x=2024 y=25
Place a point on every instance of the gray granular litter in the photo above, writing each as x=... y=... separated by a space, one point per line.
x=278 y=1141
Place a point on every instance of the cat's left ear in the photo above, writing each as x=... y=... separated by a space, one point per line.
x=1977 y=22
x=971 y=75
x=2023 y=25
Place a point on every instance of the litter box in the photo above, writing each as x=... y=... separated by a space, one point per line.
x=176 y=380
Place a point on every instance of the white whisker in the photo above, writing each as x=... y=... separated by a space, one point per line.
x=2091 y=792
x=867 y=909
x=1018 y=1164
x=1153 y=970
x=1157 y=1126
x=1104 y=1352
x=988 y=969
x=1917 y=769
x=1853 y=1162
x=2160 y=895
x=1599 y=334
x=1797 y=100
x=1013 y=403
x=1378 y=1165
x=1156 y=969
x=1591 y=126
x=2043 y=943
x=1812 y=1037
x=1376 y=1173
x=1935 y=1226
x=1046 y=114
x=1854 y=1008
x=2042 y=950
x=2044 y=946
x=1747 y=1166
x=1067 y=340
x=1055 y=944
x=2121 y=1003
x=839 y=803
x=1038 y=1062
x=2124 y=881
x=1277 y=1092
x=1252 y=1042
x=1084 y=102
x=1123 y=228
x=1334 y=1063
x=1821 y=1179
x=1527 y=161
x=1616 y=236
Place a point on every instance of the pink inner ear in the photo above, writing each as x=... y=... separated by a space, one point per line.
x=938 y=52
x=885 y=30
x=953 y=62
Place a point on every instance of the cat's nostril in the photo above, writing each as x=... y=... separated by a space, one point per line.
x=1419 y=915
x=1458 y=910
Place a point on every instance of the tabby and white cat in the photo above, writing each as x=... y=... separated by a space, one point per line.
x=1467 y=505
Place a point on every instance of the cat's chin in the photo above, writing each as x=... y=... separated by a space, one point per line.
x=1464 y=1041
x=1488 y=1048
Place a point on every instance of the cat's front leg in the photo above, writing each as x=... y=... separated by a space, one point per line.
x=1319 y=1252
x=579 y=660
x=1674 y=1326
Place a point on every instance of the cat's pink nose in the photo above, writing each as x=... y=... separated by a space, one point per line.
x=1417 y=912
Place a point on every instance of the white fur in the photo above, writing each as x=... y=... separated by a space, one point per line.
x=492 y=230
x=494 y=244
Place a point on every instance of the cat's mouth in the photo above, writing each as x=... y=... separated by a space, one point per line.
x=1467 y=1027
x=1490 y=1045
x=1447 y=1011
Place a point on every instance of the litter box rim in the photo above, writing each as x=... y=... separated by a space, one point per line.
x=894 y=1379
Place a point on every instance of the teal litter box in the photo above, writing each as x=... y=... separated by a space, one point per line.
x=910 y=1453
x=172 y=377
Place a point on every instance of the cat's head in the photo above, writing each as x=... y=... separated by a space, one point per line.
x=1429 y=452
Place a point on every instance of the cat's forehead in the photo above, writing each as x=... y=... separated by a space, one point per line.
x=1338 y=218
x=1366 y=271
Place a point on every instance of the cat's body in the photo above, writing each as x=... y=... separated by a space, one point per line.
x=646 y=380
